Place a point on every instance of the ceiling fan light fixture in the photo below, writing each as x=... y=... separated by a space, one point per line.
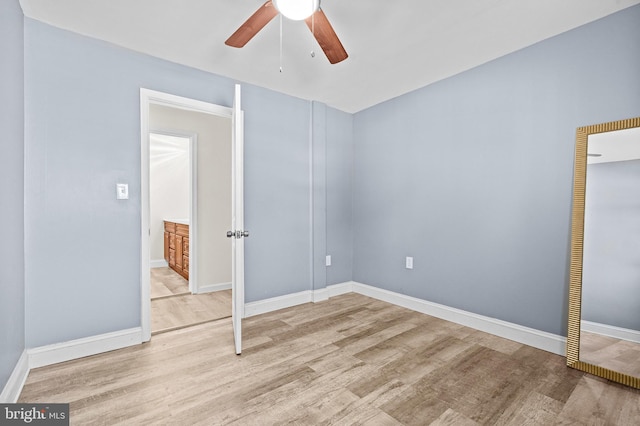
x=297 y=10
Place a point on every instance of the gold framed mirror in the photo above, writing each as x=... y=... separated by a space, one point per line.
x=604 y=287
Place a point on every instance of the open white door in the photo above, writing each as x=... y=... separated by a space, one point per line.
x=237 y=232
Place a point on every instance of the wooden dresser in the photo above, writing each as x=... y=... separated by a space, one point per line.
x=176 y=247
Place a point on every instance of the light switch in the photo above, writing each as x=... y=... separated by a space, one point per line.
x=409 y=263
x=122 y=191
x=327 y=261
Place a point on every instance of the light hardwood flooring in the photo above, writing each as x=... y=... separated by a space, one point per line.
x=608 y=352
x=174 y=307
x=350 y=360
x=165 y=282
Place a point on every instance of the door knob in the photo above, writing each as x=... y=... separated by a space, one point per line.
x=238 y=234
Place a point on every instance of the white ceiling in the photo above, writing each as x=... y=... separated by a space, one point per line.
x=394 y=47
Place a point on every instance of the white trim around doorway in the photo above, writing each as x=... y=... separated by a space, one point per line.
x=148 y=97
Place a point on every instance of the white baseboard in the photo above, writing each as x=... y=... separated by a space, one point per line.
x=611 y=331
x=276 y=303
x=538 y=339
x=13 y=387
x=289 y=300
x=160 y=263
x=209 y=288
x=330 y=291
x=338 y=289
x=73 y=349
x=320 y=295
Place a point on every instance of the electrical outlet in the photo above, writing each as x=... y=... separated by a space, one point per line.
x=409 y=262
x=327 y=261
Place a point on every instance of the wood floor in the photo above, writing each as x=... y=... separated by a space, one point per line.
x=165 y=282
x=609 y=352
x=350 y=360
x=174 y=307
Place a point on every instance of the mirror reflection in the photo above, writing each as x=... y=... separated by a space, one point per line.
x=604 y=280
x=610 y=318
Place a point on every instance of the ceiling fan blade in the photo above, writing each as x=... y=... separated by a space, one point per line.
x=255 y=23
x=326 y=36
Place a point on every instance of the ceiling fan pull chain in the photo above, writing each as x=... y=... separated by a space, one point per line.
x=313 y=31
x=280 y=42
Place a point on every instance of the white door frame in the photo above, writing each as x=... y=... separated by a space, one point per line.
x=148 y=97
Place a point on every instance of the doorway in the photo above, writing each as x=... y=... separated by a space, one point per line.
x=209 y=253
x=176 y=300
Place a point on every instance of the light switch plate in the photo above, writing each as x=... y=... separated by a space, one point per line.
x=327 y=261
x=122 y=191
x=409 y=263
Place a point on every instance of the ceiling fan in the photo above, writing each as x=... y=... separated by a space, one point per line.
x=309 y=10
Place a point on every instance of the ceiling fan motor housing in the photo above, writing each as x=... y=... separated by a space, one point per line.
x=297 y=10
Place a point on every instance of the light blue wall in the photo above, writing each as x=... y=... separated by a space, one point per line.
x=472 y=176
x=319 y=201
x=83 y=136
x=339 y=196
x=12 y=342
x=332 y=195
x=277 y=187
x=611 y=254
